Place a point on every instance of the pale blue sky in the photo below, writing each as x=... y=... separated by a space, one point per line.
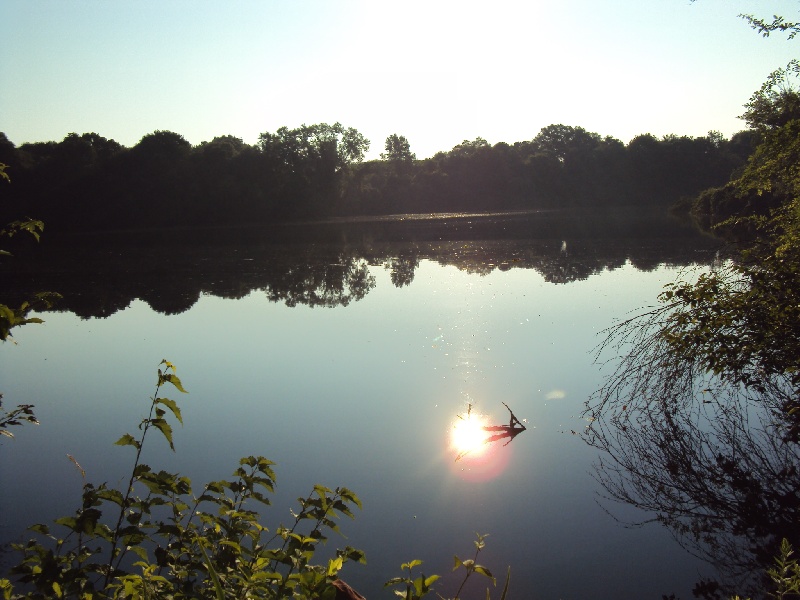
x=437 y=72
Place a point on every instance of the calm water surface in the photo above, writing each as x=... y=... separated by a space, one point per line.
x=365 y=393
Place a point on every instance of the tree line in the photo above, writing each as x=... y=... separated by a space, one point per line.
x=89 y=182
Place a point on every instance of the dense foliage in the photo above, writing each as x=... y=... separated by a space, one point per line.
x=89 y=182
x=699 y=423
x=743 y=323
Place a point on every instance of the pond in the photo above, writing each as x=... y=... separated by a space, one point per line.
x=346 y=353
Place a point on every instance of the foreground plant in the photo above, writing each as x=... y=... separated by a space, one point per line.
x=784 y=575
x=156 y=538
x=418 y=586
x=16 y=416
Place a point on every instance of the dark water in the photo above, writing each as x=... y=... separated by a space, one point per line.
x=345 y=353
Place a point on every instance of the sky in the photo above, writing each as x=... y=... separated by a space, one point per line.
x=438 y=72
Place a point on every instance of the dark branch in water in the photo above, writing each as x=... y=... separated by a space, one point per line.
x=510 y=431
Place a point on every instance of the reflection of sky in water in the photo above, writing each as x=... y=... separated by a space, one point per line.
x=362 y=396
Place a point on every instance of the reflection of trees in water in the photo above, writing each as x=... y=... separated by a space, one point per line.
x=402 y=268
x=585 y=259
x=706 y=458
x=329 y=265
x=332 y=284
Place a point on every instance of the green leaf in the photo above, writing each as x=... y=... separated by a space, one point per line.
x=231 y=544
x=350 y=496
x=127 y=440
x=141 y=469
x=220 y=594
x=322 y=491
x=40 y=528
x=505 y=587
x=422 y=584
x=353 y=554
x=173 y=406
x=139 y=551
x=267 y=576
x=165 y=429
x=484 y=571
x=70 y=522
x=334 y=566
x=173 y=379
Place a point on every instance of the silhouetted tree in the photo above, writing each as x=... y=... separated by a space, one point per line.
x=398 y=150
x=162 y=145
x=308 y=162
x=565 y=142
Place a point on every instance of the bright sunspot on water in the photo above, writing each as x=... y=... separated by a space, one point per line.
x=468 y=435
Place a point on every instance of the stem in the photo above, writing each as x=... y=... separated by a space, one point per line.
x=469 y=571
x=126 y=500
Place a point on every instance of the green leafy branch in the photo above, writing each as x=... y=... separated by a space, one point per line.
x=415 y=587
x=21 y=414
x=418 y=586
x=471 y=566
x=778 y=24
x=141 y=472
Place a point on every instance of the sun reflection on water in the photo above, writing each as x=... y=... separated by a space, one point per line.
x=468 y=436
x=477 y=447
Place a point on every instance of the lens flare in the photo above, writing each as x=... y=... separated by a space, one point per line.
x=468 y=435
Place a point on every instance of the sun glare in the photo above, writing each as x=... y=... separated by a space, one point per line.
x=468 y=435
